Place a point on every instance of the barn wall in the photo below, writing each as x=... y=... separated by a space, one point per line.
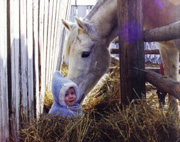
x=4 y=113
x=32 y=37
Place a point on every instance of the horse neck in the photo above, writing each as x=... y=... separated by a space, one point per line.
x=103 y=17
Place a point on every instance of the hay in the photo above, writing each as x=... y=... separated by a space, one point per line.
x=104 y=121
x=138 y=122
x=48 y=99
x=64 y=69
x=105 y=93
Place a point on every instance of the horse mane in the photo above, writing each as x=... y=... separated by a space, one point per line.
x=74 y=30
x=94 y=9
x=71 y=38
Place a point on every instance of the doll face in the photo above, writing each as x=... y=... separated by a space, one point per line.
x=70 y=97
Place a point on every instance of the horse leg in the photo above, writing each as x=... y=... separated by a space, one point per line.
x=161 y=94
x=161 y=97
x=170 y=61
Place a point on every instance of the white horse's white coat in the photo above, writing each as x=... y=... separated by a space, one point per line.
x=88 y=41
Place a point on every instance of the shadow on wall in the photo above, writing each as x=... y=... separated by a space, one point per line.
x=4 y=109
x=16 y=86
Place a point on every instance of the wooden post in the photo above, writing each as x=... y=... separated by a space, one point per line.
x=154 y=51
x=132 y=49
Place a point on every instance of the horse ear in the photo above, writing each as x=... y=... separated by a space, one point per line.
x=67 y=24
x=82 y=25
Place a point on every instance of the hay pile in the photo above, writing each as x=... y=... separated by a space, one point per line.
x=106 y=93
x=104 y=121
x=136 y=123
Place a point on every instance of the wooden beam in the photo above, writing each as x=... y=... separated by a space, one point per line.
x=155 y=51
x=114 y=50
x=165 y=33
x=154 y=69
x=132 y=49
x=163 y=83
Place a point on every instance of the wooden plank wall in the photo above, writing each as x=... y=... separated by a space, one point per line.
x=4 y=113
x=32 y=37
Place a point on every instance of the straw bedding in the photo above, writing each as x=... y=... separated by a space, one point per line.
x=104 y=121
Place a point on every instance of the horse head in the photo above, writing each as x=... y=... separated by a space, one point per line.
x=87 y=53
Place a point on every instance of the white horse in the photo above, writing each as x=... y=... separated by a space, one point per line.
x=89 y=39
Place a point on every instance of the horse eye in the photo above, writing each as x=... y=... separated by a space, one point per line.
x=85 y=54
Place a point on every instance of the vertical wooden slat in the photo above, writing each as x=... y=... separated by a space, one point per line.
x=42 y=53
x=1 y=68
x=56 y=41
x=49 y=40
x=46 y=17
x=64 y=14
x=132 y=49
x=14 y=37
x=60 y=35
x=4 y=110
x=36 y=57
x=30 y=58
x=9 y=64
x=23 y=57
